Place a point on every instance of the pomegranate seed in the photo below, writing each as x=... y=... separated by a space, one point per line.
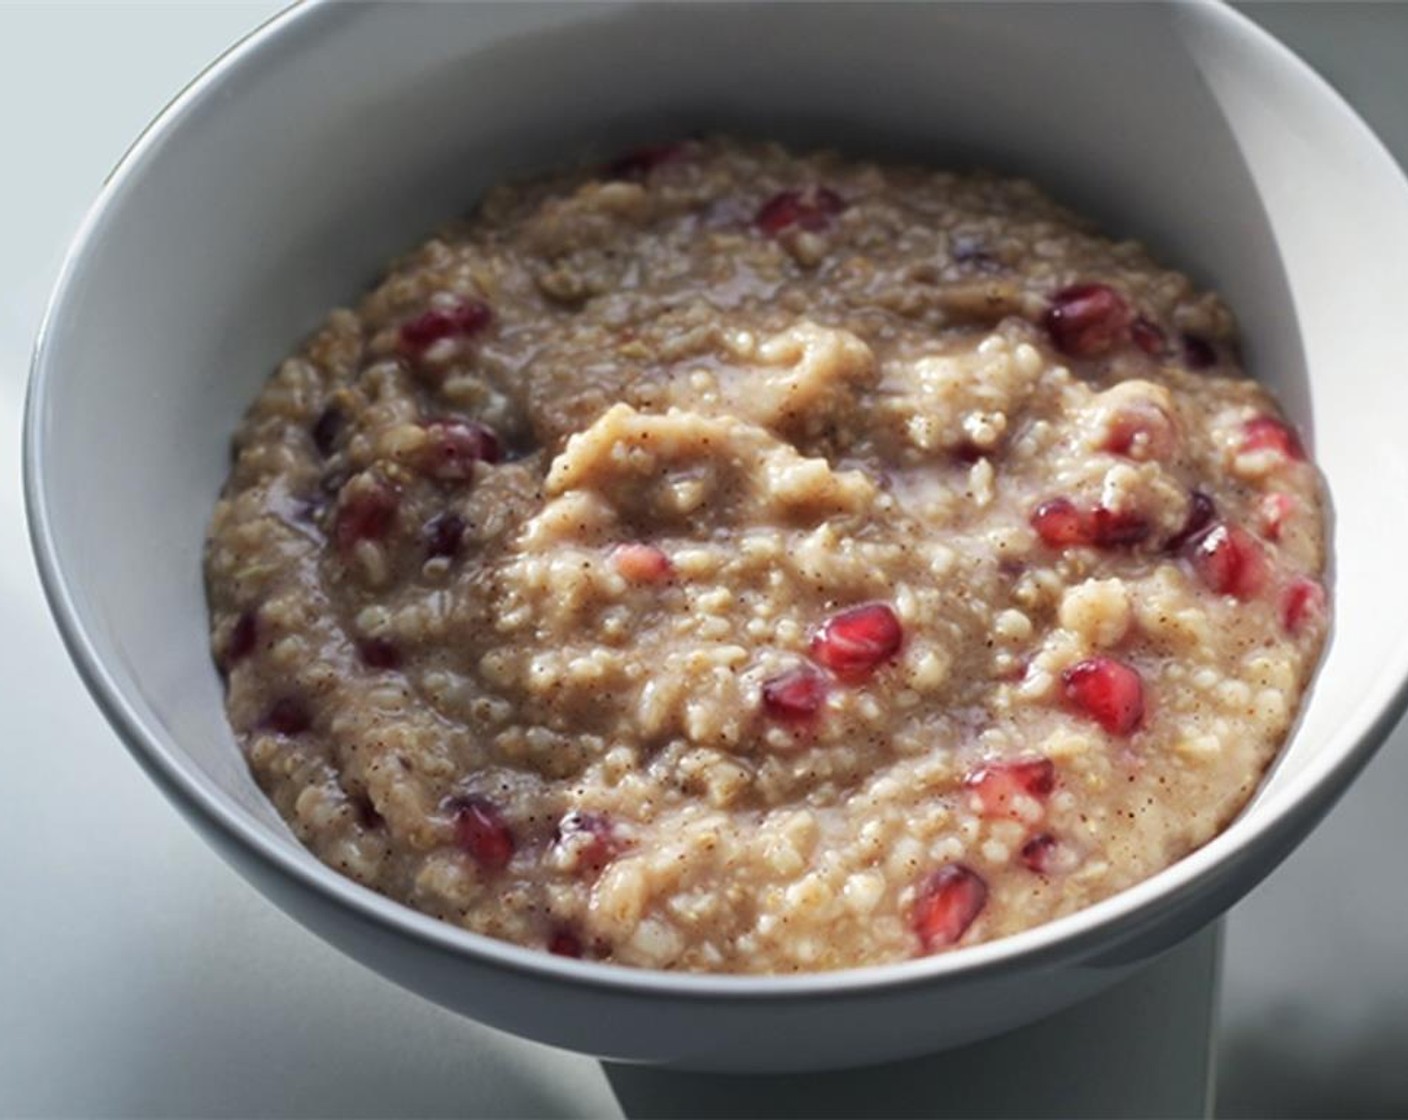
x=365 y=513
x=1037 y=853
x=1198 y=352
x=378 y=653
x=794 y=696
x=1304 y=599
x=1201 y=511
x=998 y=785
x=1059 y=523
x=1272 y=513
x=288 y=716
x=1228 y=559
x=638 y=163
x=1266 y=433
x=1117 y=528
x=327 y=428
x=949 y=902
x=243 y=636
x=564 y=943
x=443 y=535
x=591 y=836
x=1108 y=691
x=642 y=563
x=811 y=208
x=453 y=447
x=1087 y=320
x=465 y=318
x=480 y=830
x=1148 y=336
x=858 y=640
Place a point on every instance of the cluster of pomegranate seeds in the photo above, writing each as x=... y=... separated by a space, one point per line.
x=1266 y=433
x=949 y=901
x=465 y=318
x=796 y=695
x=452 y=448
x=564 y=943
x=443 y=535
x=811 y=208
x=288 y=716
x=1303 y=599
x=1088 y=320
x=242 y=638
x=1272 y=513
x=327 y=428
x=480 y=830
x=858 y=641
x=638 y=163
x=1148 y=336
x=1201 y=511
x=1107 y=691
x=593 y=837
x=378 y=653
x=998 y=785
x=642 y=563
x=367 y=513
x=1060 y=523
x=1229 y=561
x=1198 y=352
x=1036 y=854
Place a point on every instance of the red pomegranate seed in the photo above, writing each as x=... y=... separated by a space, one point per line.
x=326 y=429
x=794 y=696
x=1230 y=562
x=1266 y=433
x=591 y=835
x=1148 y=336
x=638 y=163
x=1198 y=352
x=465 y=318
x=1059 y=523
x=858 y=640
x=243 y=636
x=443 y=535
x=949 y=902
x=480 y=830
x=1087 y=320
x=1304 y=599
x=811 y=208
x=1201 y=511
x=1272 y=513
x=998 y=785
x=642 y=563
x=1036 y=854
x=288 y=716
x=366 y=513
x=453 y=447
x=564 y=943
x=378 y=653
x=1117 y=528
x=1108 y=691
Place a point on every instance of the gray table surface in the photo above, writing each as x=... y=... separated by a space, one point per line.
x=139 y=976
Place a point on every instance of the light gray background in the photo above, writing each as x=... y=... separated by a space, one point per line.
x=138 y=975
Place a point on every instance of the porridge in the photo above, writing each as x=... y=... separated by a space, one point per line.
x=729 y=560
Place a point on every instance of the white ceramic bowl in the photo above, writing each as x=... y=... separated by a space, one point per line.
x=279 y=182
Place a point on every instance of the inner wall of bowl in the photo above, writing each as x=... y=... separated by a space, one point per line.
x=354 y=130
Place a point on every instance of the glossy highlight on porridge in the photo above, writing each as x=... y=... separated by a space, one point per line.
x=733 y=560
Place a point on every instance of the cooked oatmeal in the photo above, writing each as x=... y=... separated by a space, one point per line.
x=732 y=560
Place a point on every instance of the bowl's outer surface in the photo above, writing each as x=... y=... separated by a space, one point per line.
x=279 y=183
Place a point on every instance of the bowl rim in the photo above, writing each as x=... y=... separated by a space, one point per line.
x=1072 y=937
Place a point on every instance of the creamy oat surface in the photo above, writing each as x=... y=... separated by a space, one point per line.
x=734 y=560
